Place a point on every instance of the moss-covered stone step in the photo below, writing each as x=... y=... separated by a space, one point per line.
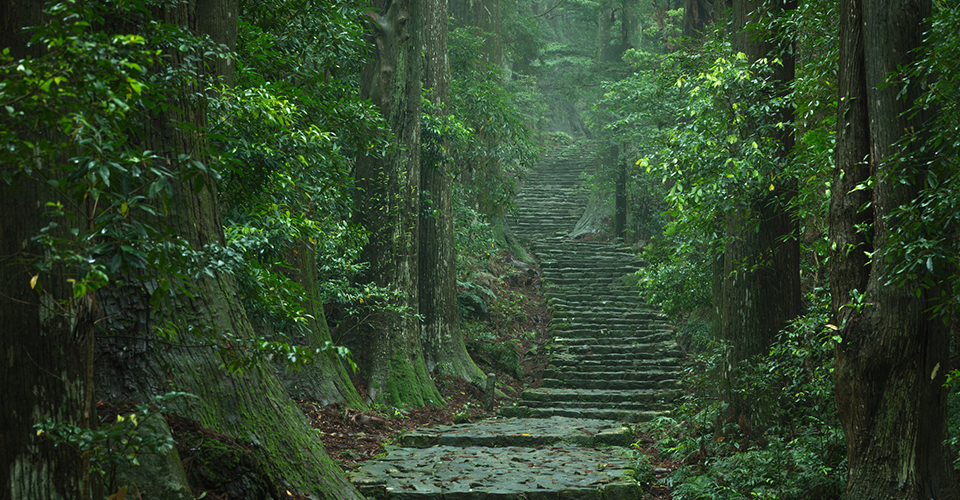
x=598 y=322
x=627 y=416
x=612 y=385
x=598 y=363
x=645 y=338
x=613 y=334
x=619 y=298
x=557 y=395
x=654 y=357
x=618 y=350
x=658 y=404
x=572 y=372
x=607 y=313
x=559 y=372
x=521 y=432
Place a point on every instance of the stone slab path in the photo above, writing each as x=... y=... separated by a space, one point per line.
x=613 y=362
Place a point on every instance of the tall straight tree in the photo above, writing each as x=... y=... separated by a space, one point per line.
x=761 y=272
x=892 y=353
x=442 y=339
x=389 y=351
x=251 y=404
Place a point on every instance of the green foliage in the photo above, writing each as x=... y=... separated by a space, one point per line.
x=287 y=186
x=640 y=465
x=923 y=246
x=726 y=153
x=114 y=444
x=677 y=276
x=73 y=118
x=497 y=147
x=800 y=451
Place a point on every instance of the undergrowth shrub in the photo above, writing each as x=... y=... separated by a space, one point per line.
x=798 y=451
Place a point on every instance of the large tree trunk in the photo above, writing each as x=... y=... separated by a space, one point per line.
x=761 y=286
x=892 y=356
x=696 y=15
x=326 y=379
x=45 y=345
x=485 y=17
x=388 y=206
x=443 y=344
x=46 y=334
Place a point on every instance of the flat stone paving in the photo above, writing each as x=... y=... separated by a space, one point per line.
x=533 y=458
x=554 y=472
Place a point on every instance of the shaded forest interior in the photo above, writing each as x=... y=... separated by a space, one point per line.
x=245 y=243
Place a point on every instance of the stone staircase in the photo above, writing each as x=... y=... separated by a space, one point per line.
x=611 y=357
x=550 y=203
x=613 y=361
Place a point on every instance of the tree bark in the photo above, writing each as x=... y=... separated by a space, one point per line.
x=326 y=379
x=696 y=15
x=892 y=354
x=485 y=17
x=46 y=333
x=443 y=345
x=761 y=284
x=45 y=352
x=388 y=206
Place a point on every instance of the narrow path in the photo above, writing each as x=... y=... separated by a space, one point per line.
x=612 y=362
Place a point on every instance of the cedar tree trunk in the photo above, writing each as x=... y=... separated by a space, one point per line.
x=388 y=205
x=134 y=363
x=761 y=281
x=892 y=355
x=326 y=379
x=443 y=345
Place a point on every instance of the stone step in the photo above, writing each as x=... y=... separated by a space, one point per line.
x=620 y=415
x=619 y=359
x=521 y=432
x=609 y=328
x=597 y=363
x=612 y=385
x=593 y=396
x=614 y=350
x=645 y=374
x=561 y=342
x=658 y=404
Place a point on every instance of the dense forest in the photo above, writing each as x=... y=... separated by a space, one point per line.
x=211 y=208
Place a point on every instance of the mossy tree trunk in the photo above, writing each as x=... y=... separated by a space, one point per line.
x=45 y=342
x=484 y=16
x=443 y=345
x=144 y=351
x=891 y=359
x=326 y=379
x=388 y=206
